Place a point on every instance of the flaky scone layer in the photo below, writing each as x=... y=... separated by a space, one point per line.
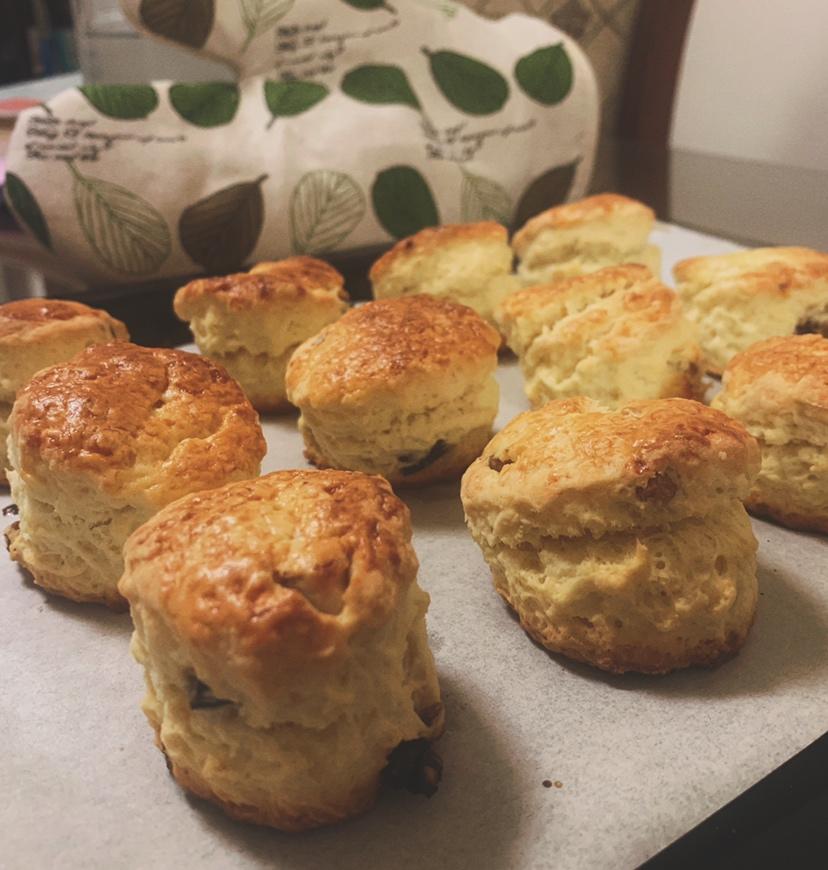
x=619 y=536
x=400 y=387
x=615 y=335
x=252 y=322
x=99 y=443
x=739 y=299
x=574 y=466
x=421 y=441
x=584 y=236
x=38 y=333
x=282 y=632
x=467 y=263
x=778 y=389
x=651 y=600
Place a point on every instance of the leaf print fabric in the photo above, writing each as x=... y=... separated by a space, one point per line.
x=325 y=206
x=403 y=201
x=126 y=231
x=220 y=231
x=339 y=125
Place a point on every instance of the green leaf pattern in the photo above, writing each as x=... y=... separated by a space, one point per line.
x=469 y=85
x=379 y=84
x=325 y=207
x=482 y=199
x=403 y=201
x=260 y=15
x=188 y=22
x=123 y=229
x=124 y=102
x=286 y=99
x=367 y=5
x=25 y=206
x=546 y=74
x=205 y=105
x=220 y=231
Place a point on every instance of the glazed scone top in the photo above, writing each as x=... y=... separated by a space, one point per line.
x=433 y=239
x=524 y=313
x=30 y=321
x=271 y=576
x=601 y=207
x=780 y=385
x=265 y=285
x=387 y=345
x=139 y=422
x=776 y=271
x=572 y=467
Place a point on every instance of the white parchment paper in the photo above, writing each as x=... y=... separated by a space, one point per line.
x=639 y=760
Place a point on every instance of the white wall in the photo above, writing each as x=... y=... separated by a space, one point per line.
x=110 y=50
x=754 y=81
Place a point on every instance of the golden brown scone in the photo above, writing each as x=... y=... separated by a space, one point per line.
x=36 y=333
x=98 y=444
x=613 y=335
x=580 y=237
x=252 y=322
x=739 y=299
x=402 y=387
x=283 y=636
x=778 y=389
x=619 y=536
x=467 y=263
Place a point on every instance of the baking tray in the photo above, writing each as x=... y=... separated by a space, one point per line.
x=547 y=763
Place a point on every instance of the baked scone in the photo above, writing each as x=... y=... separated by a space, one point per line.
x=37 y=333
x=282 y=632
x=739 y=299
x=619 y=536
x=613 y=335
x=778 y=389
x=466 y=263
x=584 y=236
x=402 y=387
x=253 y=321
x=98 y=444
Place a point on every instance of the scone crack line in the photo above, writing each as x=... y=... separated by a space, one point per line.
x=583 y=250
x=527 y=536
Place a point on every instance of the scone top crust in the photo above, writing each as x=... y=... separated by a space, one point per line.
x=778 y=381
x=603 y=207
x=147 y=423
x=435 y=239
x=572 y=467
x=27 y=321
x=778 y=272
x=267 y=577
x=266 y=285
x=388 y=345
x=557 y=299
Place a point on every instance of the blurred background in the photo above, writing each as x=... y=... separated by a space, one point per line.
x=700 y=101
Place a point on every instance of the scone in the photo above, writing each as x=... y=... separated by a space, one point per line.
x=613 y=335
x=283 y=636
x=36 y=333
x=252 y=322
x=402 y=387
x=778 y=388
x=619 y=536
x=739 y=299
x=584 y=236
x=467 y=263
x=98 y=444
